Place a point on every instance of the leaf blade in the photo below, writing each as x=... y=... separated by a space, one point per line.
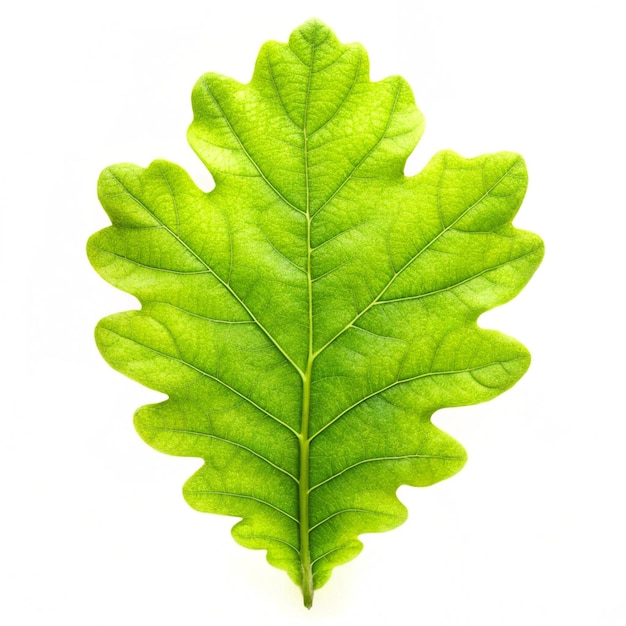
x=308 y=316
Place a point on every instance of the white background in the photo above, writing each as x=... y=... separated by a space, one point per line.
x=94 y=529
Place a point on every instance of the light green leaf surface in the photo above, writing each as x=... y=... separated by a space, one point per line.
x=308 y=315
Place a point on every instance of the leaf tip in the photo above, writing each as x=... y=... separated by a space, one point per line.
x=314 y=31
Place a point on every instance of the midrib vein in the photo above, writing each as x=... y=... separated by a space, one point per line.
x=304 y=482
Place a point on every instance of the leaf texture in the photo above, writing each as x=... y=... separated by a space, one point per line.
x=308 y=316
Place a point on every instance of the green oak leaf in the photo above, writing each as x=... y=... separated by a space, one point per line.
x=308 y=316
